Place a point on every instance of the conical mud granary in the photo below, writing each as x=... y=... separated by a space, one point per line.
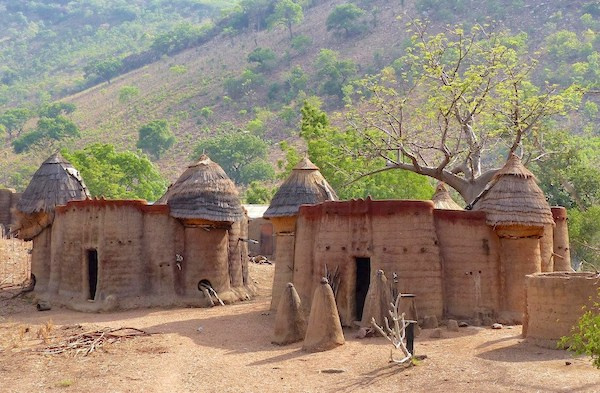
x=290 y=324
x=324 y=331
x=305 y=186
x=442 y=199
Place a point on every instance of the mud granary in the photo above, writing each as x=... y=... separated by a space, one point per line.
x=94 y=254
x=468 y=264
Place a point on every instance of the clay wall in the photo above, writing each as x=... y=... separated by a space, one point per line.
x=471 y=257
x=115 y=231
x=397 y=237
x=285 y=241
x=15 y=266
x=561 y=248
x=261 y=230
x=555 y=302
x=8 y=201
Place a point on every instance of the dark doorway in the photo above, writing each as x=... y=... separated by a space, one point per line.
x=363 y=279
x=92 y=257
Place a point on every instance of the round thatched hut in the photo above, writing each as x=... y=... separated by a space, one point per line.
x=55 y=183
x=517 y=209
x=442 y=199
x=305 y=186
x=207 y=203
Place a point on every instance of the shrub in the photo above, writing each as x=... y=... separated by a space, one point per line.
x=585 y=339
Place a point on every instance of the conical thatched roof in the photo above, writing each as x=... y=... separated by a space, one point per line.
x=305 y=186
x=55 y=183
x=204 y=191
x=514 y=198
x=442 y=199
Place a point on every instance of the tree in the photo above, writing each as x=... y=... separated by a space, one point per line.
x=155 y=138
x=258 y=193
x=264 y=57
x=287 y=13
x=48 y=128
x=330 y=149
x=118 y=175
x=243 y=156
x=335 y=72
x=104 y=70
x=346 y=19
x=457 y=95
x=56 y=109
x=14 y=120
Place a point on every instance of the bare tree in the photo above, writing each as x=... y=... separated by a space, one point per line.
x=454 y=104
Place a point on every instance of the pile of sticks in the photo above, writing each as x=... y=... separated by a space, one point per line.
x=88 y=342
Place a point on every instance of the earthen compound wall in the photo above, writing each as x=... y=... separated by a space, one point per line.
x=144 y=257
x=455 y=264
x=555 y=301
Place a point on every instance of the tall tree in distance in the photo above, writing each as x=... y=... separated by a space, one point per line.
x=155 y=138
x=287 y=13
x=457 y=101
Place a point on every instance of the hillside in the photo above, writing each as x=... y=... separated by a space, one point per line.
x=198 y=90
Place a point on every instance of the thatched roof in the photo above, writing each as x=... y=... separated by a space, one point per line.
x=514 y=198
x=55 y=183
x=204 y=191
x=442 y=199
x=305 y=186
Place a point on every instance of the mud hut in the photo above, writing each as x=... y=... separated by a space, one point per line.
x=55 y=183
x=442 y=199
x=207 y=203
x=517 y=209
x=305 y=186
x=188 y=250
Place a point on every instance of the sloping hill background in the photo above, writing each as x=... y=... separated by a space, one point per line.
x=188 y=88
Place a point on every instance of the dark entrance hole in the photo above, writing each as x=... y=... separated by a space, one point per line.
x=92 y=257
x=363 y=279
x=204 y=284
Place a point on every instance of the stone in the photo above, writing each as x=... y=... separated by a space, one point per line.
x=430 y=322
x=497 y=326
x=436 y=333
x=452 y=325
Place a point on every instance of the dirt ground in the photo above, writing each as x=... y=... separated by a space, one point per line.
x=228 y=349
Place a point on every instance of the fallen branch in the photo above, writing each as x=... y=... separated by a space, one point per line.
x=88 y=342
x=397 y=333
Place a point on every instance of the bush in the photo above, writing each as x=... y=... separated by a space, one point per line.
x=156 y=137
x=585 y=339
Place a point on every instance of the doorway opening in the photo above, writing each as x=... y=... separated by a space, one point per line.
x=92 y=258
x=363 y=280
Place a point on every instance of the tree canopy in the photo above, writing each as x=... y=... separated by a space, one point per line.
x=155 y=137
x=287 y=13
x=330 y=150
x=345 y=19
x=243 y=156
x=455 y=101
x=117 y=175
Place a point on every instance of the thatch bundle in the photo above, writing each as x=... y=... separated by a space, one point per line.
x=513 y=198
x=442 y=199
x=55 y=183
x=204 y=191
x=305 y=186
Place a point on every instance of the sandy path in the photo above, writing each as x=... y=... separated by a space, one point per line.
x=233 y=353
